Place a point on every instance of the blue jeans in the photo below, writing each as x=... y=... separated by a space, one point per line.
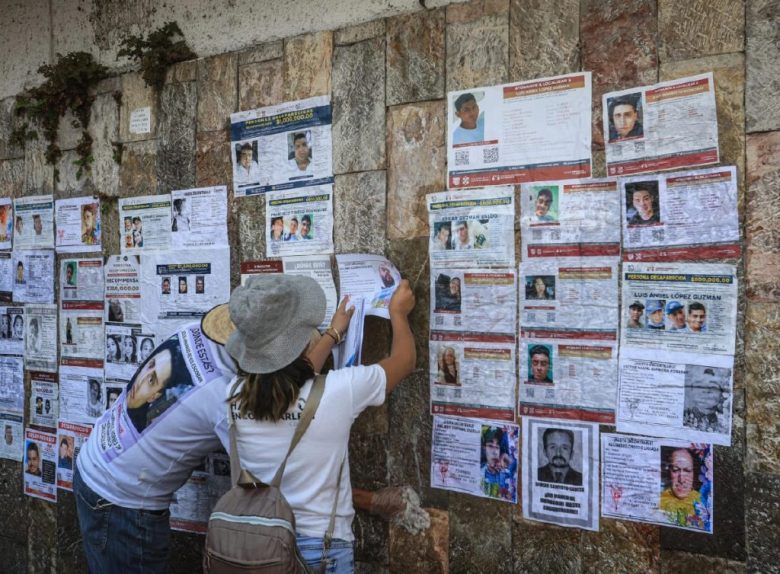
x=339 y=561
x=118 y=539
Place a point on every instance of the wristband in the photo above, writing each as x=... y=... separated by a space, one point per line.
x=334 y=334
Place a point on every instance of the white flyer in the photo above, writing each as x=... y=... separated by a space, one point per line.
x=82 y=396
x=477 y=457
x=123 y=289
x=199 y=218
x=44 y=400
x=40 y=464
x=78 y=225
x=665 y=126
x=473 y=375
x=7 y=276
x=561 y=472
x=12 y=322
x=81 y=330
x=6 y=223
x=282 y=146
x=34 y=222
x=40 y=352
x=661 y=481
x=180 y=287
x=11 y=384
x=195 y=499
x=81 y=279
x=539 y=130
x=680 y=307
x=12 y=445
x=299 y=222
x=472 y=228
x=70 y=437
x=145 y=224
x=127 y=346
x=681 y=216
x=371 y=278
x=473 y=300
x=677 y=395
x=578 y=218
x=33 y=276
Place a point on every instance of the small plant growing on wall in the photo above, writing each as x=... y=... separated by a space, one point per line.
x=157 y=52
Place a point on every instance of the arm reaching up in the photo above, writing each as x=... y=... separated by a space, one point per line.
x=403 y=355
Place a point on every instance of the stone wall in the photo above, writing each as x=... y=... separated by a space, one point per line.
x=388 y=79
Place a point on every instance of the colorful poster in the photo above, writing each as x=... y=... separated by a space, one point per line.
x=70 y=437
x=78 y=225
x=81 y=330
x=34 y=222
x=81 y=279
x=6 y=222
x=473 y=300
x=299 y=222
x=40 y=464
x=145 y=224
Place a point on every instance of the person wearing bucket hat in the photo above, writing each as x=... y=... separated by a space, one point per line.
x=675 y=311
x=172 y=415
x=268 y=404
x=655 y=314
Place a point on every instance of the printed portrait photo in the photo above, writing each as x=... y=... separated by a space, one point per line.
x=447 y=293
x=625 y=117
x=560 y=455
x=642 y=207
x=540 y=287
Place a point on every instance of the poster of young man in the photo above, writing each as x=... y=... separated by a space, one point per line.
x=34 y=222
x=199 y=218
x=70 y=437
x=44 y=400
x=6 y=222
x=12 y=444
x=123 y=289
x=81 y=279
x=33 y=276
x=40 y=353
x=78 y=225
x=40 y=464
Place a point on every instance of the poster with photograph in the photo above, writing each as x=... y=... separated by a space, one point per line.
x=7 y=276
x=81 y=279
x=33 y=273
x=199 y=218
x=12 y=445
x=34 y=222
x=127 y=346
x=371 y=278
x=477 y=457
x=145 y=224
x=473 y=300
x=561 y=472
x=472 y=228
x=688 y=215
x=81 y=330
x=579 y=218
x=665 y=126
x=70 y=437
x=6 y=222
x=678 y=395
x=123 y=289
x=282 y=146
x=40 y=352
x=11 y=384
x=40 y=464
x=299 y=222
x=82 y=396
x=44 y=400
x=12 y=323
x=195 y=499
x=78 y=225
x=538 y=130
x=680 y=307
x=660 y=481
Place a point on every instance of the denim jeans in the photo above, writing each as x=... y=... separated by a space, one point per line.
x=339 y=561
x=121 y=540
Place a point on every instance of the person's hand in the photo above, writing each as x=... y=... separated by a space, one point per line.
x=402 y=301
x=342 y=316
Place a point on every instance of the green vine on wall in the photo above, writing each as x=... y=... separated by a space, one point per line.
x=157 y=52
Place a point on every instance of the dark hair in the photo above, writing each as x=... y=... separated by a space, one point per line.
x=299 y=135
x=539 y=350
x=306 y=217
x=245 y=147
x=268 y=396
x=462 y=99
x=548 y=431
x=96 y=383
x=64 y=440
x=20 y=264
x=544 y=191
x=293 y=218
x=136 y=218
x=624 y=101
x=32 y=447
x=696 y=307
x=493 y=433
x=88 y=207
x=275 y=219
x=666 y=462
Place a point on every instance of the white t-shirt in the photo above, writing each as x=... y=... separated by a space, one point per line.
x=309 y=481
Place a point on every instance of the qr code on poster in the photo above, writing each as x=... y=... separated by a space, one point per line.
x=462 y=157
x=490 y=155
x=658 y=234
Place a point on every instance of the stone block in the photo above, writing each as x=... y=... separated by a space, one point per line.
x=251 y=227
x=38 y=175
x=68 y=184
x=762 y=54
x=370 y=568
x=307 y=65
x=427 y=551
x=261 y=53
x=11 y=178
x=14 y=555
x=70 y=552
x=415 y=57
x=42 y=538
x=700 y=28
x=137 y=174
x=109 y=208
x=186 y=553
x=359 y=32
x=260 y=84
x=544 y=38
x=371 y=534
x=762 y=228
x=212 y=159
x=104 y=130
x=762 y=497
x=13 y=502
x=368 y=460
x=615 y=27
x=359 y=208
x=136 y=95
x=621 y=546
x=480 y=536
x=540 y=548
x=477 y=44
x=182 y=72
x=217 y=91
x=8 y=121
x=416 y=151
x=358 y=107
x=69 y=132
x=684 y=562
x=176 y=137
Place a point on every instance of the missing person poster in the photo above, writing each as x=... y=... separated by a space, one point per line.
x=199 y=218
x=7 y=276
x=665 y=126
x=472 y=228
x=40 y=353
x=539 y=130
x=33 y=273
x=282 y=146
x=681 y=216
x=180 y=287
x=677 y=395
x=70 y=437
x=6 y=222
x=44 y=400
x=473 y=300
x=579 y=218
x=78 y=225
x=40 y=464
x=560 y=472
x=12 y=445
x=81 y=330
x=82 y=396
x=127 y=346
x=193 y=502
x=299 y=222
x=145 y=224
x=81 y=279
x=123 y=289
x=34 y=222
x=12 y=323
x=11 y=384
x=688 y=307
x=661 y=481
x=477 y=457
x=369 y=277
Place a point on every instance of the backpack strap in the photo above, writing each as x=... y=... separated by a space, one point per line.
x=328 y=538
